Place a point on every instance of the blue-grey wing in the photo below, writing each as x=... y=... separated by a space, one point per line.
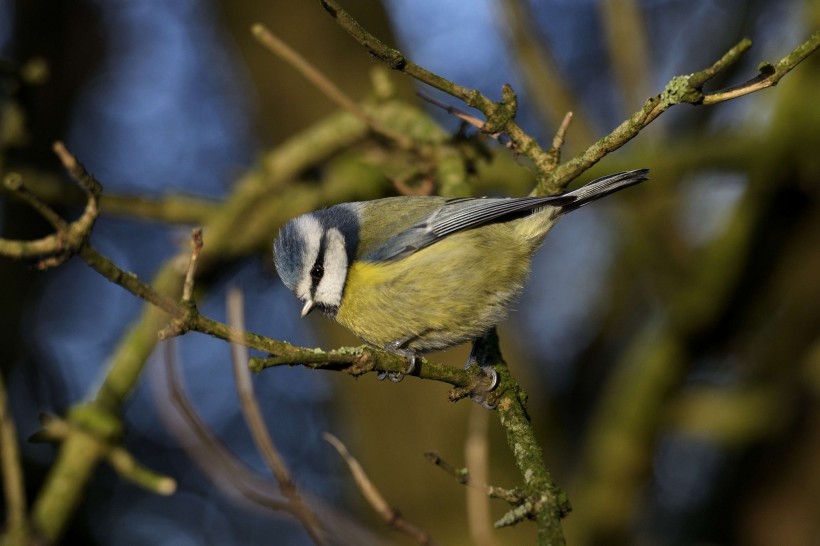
x=458 y=215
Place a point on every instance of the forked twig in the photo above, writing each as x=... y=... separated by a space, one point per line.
x=390 y=515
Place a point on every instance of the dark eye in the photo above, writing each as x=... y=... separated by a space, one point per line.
x=317 y=272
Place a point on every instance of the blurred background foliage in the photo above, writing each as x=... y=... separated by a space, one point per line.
x=669 y=338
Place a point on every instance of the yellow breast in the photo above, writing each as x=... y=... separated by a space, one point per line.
x=443 y=295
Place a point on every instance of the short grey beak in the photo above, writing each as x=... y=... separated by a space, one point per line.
x=309 y=305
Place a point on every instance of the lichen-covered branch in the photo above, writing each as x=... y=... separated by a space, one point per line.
x=544 y=501
x=500 y=116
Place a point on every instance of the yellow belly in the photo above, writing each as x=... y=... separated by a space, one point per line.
x=443 y=295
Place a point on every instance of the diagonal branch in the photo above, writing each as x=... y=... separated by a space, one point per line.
x=501 y=115
x=681 y=89
x=390 y=515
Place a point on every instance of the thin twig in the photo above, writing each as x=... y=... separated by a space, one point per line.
x=625 y=32
x=452 y=110
x=545 y=84
x=232 y=477
x=476 y=458
x=196 y=246
x=467 y=118
x=462 y=476
x=391 y=516
x=681 y=89
x=769 y=74
x=215 y=461
x=560 y=134
x=256 y=423
x=323 y=84
x=500 y=116
x=558 y=139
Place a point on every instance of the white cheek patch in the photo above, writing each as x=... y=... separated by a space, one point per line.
x=329 y=291
x=311 y=230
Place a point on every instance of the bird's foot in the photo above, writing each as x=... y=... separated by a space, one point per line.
x=477 y=357
x=397 y=348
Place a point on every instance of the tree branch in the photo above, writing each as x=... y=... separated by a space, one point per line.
x=681 y=89
x=390 y=515
x=68 y=238
x=500 y=116
x=769 y=74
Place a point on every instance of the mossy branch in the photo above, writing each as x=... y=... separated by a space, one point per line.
x=681 y=89
x=500 y=116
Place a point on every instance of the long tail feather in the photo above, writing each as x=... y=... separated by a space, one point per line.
x=602 y=187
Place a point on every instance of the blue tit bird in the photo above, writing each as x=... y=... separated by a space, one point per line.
x=423 y=273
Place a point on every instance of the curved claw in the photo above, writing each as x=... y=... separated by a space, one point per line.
x=488 y=370
x=481 y=397
x=395 y=377
x=396 y=348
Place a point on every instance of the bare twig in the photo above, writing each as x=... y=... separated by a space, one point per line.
x=544 y=82
x=68 y=239
x=222 y=468
x=323 y=84
x=256 y=424
x=681 y=89
x=560 y=134
x=391 y=516
x=558 y=139
x=625 y=32
x=769 y=74
x=196 y=246
x=467 y=118
x=500 y=116
x=476 y=458
x=462 y=476
x=213 y=458
x=453 y=111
